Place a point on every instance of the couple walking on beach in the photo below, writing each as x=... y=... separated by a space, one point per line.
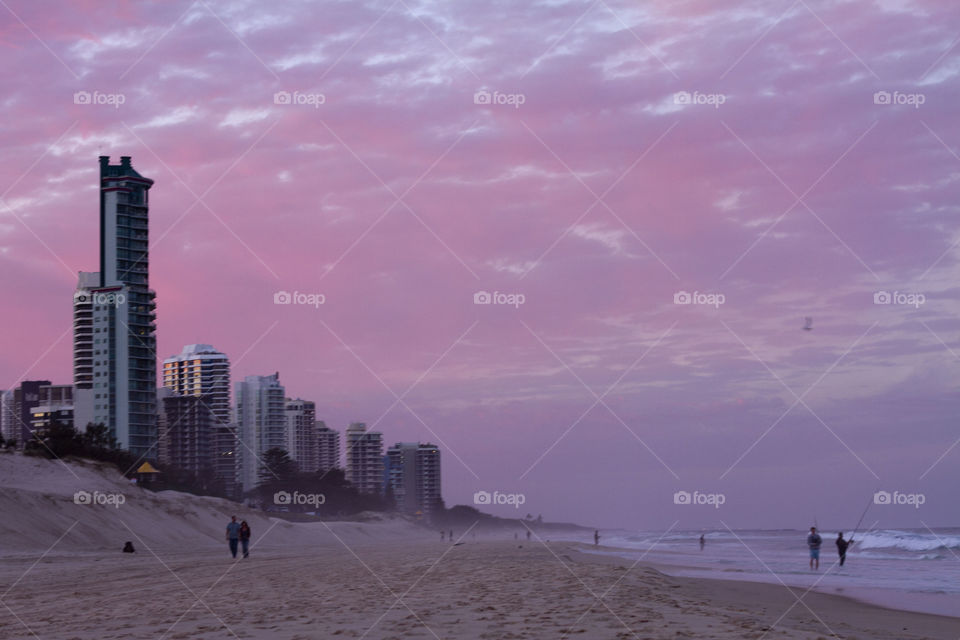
x=814 y=541
x=238 y=532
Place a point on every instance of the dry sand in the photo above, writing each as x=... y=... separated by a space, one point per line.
x=414 y=590
x=62 y=576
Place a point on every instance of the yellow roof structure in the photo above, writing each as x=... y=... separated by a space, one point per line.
x=146 y=467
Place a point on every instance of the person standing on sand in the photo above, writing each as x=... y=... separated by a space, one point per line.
x=528 y=535
x=842 y=547
x=813 y=542
x=703 y=541
x=233 y=534
x=596 y=537
x=245 y=538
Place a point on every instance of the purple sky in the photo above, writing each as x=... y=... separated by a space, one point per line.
x=784 y=184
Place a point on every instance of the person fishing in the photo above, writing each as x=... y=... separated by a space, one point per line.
x=813 y=542
x=844 y=544
x=842 y=547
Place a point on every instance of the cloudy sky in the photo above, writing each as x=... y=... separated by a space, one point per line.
x=590 y=162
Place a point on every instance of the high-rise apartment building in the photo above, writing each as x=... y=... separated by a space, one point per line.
x=197 y=370
x=328 y=447
x=190 y=434
x=412 y=474
x=364 y=468
x=261 y=425
x=115 y=319
x=201 y=370
x=301 y=427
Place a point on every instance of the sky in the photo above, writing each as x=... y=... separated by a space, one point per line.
x=591 y=167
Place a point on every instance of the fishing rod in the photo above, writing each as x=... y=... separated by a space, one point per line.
x=862 y=516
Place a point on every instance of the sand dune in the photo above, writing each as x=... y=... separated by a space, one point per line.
x=37 y=501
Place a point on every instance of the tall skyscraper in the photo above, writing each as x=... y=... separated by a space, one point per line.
x=364 y=458
x=413 y=477
x=201 y=370
x=328 y=447
x=261 y=425
x=301 y=426
x=114 y=315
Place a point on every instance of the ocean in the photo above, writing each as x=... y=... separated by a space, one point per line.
x=916 y=570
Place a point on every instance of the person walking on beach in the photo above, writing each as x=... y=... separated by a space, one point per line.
x=814 y=541
x=703 y=541
x=233 y=535
x=245 y=538
x=528 y=535
x=596 y=537
x=842 y=547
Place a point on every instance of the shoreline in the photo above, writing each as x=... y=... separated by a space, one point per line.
x=856 y=610
x=923 y=602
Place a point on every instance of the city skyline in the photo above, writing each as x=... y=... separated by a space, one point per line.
x=647 y=243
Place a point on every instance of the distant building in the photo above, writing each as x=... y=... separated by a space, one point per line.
x=83 y=350
x=163 y=429
x=261 y=425
x=328 y=447
x=412 y=472
x=301 y=433
x=43 y=416
x=37 y=393
x=9 y=427
x=201 y=370
x=364 y=469
x=190 y=433
x=115 y=319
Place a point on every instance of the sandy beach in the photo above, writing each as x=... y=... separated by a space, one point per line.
x=415 y=590
x=62 y=576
